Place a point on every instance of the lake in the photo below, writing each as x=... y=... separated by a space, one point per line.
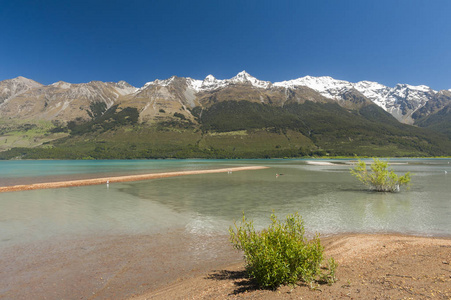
x=198 y=209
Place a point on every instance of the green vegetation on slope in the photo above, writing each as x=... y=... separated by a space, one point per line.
x=239 y=115
x=439 y=121
x=240 y=129
x=19 y=133
x=111 y=119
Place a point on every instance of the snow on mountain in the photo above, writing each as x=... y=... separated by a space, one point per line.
x=374 y=91
x=325 y=85
x=210 y=83
x=244 y=77
x=401 y=101
x=159 y=82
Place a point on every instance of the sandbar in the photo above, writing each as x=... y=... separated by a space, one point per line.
x=320 y=163
x=105 y=180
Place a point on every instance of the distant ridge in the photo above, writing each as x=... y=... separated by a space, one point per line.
x=401 y=101
x=238 y=117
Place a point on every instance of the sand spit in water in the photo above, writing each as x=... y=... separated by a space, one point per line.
x=321 y=163
x=352 y=162
x=105 y=180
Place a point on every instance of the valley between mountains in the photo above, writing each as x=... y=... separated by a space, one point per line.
x=241 y=117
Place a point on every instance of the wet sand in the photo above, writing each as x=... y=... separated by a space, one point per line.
x=180 y=265
x=108 y=266
x=105 y=180
x=379 y=266
x=177 y=264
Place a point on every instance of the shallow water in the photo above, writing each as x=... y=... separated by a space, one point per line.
x=327 y=196
x=101 y=242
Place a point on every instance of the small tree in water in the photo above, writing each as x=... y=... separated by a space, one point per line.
x=380 y=178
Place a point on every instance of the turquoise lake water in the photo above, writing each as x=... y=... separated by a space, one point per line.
x=330 y=200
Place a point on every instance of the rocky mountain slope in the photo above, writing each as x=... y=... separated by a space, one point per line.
x=14 y=87
x=402 y=101
x=24 y=98
x=237 y=117
x=61 y=101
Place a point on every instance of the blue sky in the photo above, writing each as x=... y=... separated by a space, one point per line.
x=396 y=41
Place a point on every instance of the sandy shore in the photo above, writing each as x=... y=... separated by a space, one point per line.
x=370 y=267
x=104 y=180
x=177 y=265
x=108 y=266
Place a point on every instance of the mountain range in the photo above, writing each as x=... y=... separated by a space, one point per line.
x=230 y=105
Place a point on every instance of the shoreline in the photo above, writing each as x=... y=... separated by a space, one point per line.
x=176 y=265
x=114 y=179
x=382 y=265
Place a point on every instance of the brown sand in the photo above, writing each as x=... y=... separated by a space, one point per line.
x=176 y=265
x=95 y=181
x=370 y=267
x=108 y=266
x=180 y=265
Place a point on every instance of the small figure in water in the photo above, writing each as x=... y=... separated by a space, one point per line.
x=107 y=183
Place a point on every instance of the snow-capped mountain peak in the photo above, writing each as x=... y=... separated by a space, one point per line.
x=419 y=88
x=209 y=78
x=211 y=83
x=325 y=85
x=401 y=101
x=365 y=84
x=165 y=82
x=244 y=77
x=159 y=82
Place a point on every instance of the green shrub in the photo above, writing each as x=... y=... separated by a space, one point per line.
x=380 y=178
x=281 y=254
x=179 y=115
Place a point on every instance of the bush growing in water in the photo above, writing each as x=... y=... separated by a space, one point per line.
x=281 y=254
x=380 y=178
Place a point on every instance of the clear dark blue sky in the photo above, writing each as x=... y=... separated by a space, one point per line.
x=388 y=41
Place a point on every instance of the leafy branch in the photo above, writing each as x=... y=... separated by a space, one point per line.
x=379 y=177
